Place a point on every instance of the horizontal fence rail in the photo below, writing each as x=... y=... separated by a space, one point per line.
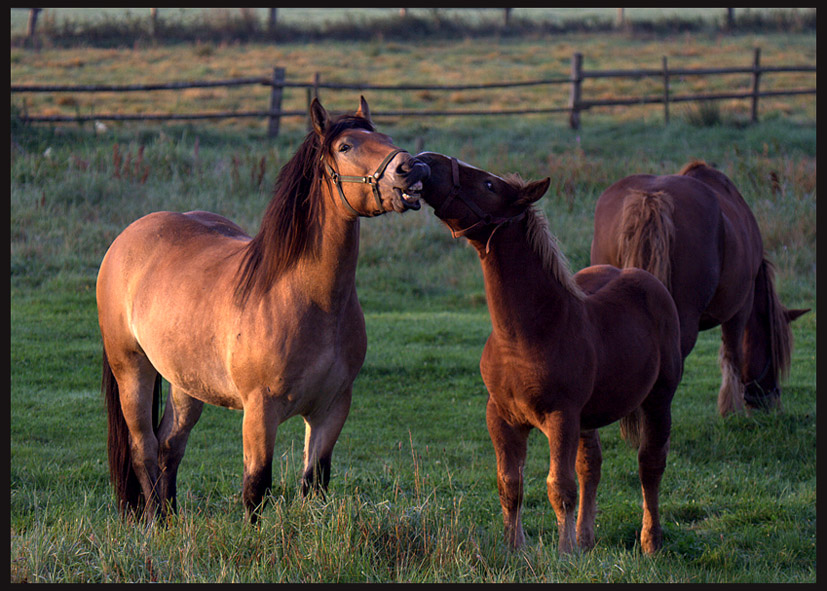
x=575 y=106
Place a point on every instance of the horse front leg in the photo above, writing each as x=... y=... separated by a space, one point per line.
x=180 y=415
x=562 y=428
x=258 y=429
x=510 y=444
x=588 y=465
x=731 y=394
x=322 y=429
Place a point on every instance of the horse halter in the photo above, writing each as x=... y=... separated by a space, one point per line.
x=755 y=395
x=484 y=218
x=372 y=180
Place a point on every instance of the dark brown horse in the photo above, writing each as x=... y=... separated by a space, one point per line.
x=567 y=354
x=270 y=325
x=694 y=231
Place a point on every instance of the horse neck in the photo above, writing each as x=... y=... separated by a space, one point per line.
x=520 y=290
x=328 y=273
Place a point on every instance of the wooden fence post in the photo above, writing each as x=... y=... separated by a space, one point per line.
x=574 y=96
x=730 y=19
x=31 y=27
x=272 y=15
x=309 y=100
x=756 y=75
x=275 y=102
x=312 y=92
x=665 y=90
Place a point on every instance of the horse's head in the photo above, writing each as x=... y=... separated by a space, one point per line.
x=473 y=202
x=372 y=176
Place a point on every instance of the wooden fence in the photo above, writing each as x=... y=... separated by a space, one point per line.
x=576 y=103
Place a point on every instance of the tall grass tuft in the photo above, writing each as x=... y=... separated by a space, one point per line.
x=704 y=114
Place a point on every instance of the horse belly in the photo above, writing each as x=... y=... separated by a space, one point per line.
x=611 y=403
x=192 y=361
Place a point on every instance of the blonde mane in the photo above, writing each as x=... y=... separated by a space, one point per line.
x=545 y=245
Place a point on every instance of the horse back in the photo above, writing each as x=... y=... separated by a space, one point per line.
x=217 y=223
x=164 y=248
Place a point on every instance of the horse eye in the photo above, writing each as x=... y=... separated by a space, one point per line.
x=489 y=185
x=344 y=147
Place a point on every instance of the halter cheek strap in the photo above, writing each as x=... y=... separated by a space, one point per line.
x=372 y=180
x=484 y=218
x=758 y=398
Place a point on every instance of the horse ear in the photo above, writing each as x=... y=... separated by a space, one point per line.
x=318 y=116
x=533 y=191
x=363 y=111
x=791 y=315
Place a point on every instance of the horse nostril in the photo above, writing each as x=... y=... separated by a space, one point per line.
x=404 y=167
x=414 y=166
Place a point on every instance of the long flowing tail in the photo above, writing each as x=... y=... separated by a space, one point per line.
x=121 y=470
x=647 y=232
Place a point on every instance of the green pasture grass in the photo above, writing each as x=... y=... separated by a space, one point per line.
x=413 y=493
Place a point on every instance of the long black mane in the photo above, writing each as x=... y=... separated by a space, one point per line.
x=289 y=226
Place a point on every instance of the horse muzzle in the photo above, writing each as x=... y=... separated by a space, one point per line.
x=758 y=398
x=410 y=173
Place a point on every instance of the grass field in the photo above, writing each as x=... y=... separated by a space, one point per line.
x=413 y=494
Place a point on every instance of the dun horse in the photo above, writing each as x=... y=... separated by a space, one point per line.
x=270 y=324
x=567 y=354
x=695 y=232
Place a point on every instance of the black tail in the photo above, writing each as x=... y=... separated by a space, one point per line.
x=121 y=471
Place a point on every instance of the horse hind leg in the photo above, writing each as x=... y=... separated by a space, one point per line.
x=320 y=435
x=133 y=445
x=181 y=413
x=655 y=427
